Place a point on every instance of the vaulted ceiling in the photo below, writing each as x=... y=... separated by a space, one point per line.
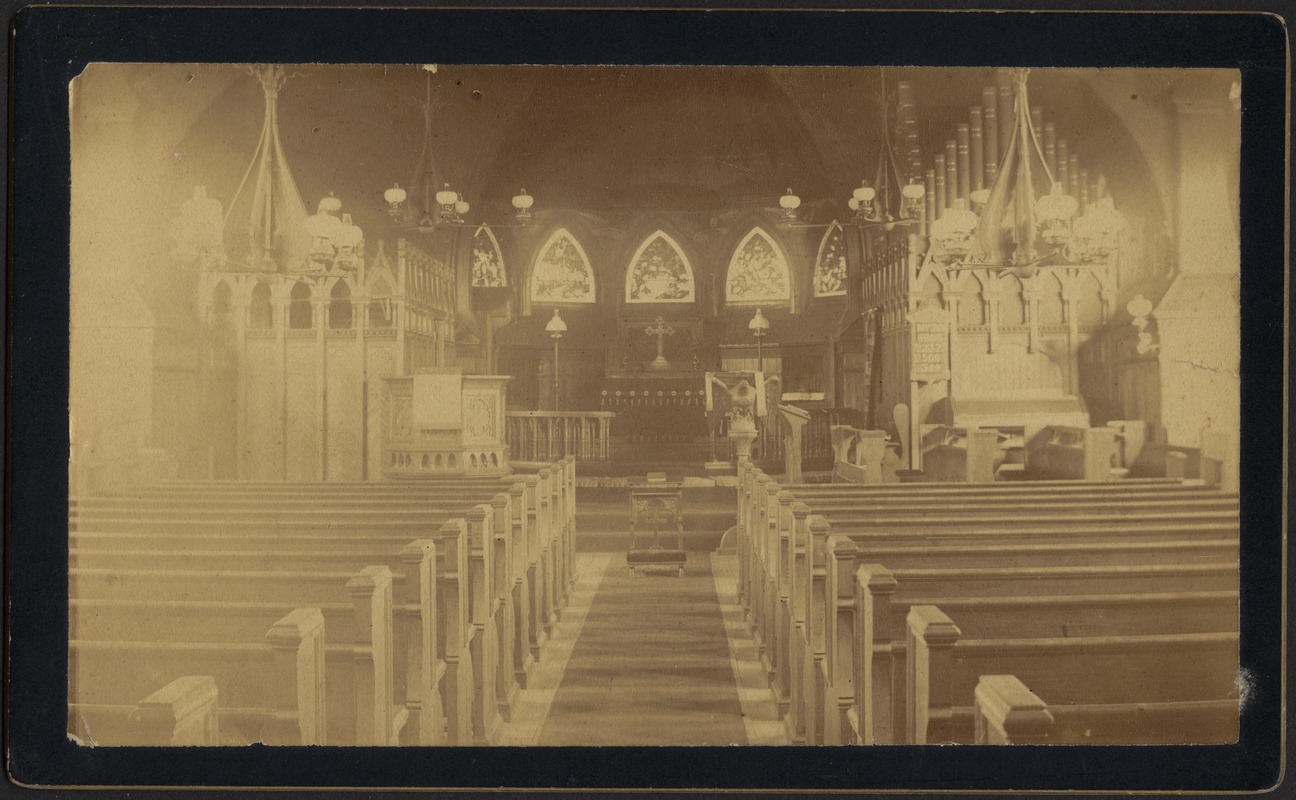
x=591 y=138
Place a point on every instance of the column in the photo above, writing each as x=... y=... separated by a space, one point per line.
x=1199 y=317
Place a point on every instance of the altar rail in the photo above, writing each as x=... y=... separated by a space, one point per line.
x=551 y=435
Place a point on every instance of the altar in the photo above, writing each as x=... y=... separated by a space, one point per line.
x=656 y=407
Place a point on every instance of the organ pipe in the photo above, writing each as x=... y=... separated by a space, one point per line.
x=941 y=200
x=977 y=144
x=964 y=167
x=991 y=112
x=951 y=173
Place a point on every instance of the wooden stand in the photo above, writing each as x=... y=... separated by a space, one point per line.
x=655 y=501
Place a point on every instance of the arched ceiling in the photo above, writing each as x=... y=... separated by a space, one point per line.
x=595 y=138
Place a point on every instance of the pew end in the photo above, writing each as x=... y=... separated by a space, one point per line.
x=1006 y=712
x=184 y=713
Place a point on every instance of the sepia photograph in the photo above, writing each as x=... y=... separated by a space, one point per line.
x=432 y=405
x=608 y=400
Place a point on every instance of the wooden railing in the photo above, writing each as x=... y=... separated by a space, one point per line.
x=551 y=435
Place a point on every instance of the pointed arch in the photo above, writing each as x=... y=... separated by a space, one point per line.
x=1012 y=300
x=222 y=299
x=758 y=271
x=562 y=272
x=260 y=309
x=380 y=304
x=299 y=306
x=830 y=263
x=659 y=272
x=341 y=311
x=487 y=260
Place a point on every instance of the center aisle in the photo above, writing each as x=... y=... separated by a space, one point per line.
x=653 y=664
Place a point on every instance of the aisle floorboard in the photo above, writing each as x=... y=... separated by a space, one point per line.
x=653 y=665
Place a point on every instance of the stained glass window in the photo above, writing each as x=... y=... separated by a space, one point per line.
x=562 y=272
x=830 y=264
x=758 y=271
x=659 y=273
x=487 y=261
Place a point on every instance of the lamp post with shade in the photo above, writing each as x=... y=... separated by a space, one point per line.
x=759 y=326
x=555 y=328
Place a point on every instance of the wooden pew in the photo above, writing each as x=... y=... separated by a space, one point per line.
x=185 y=712
x=965 y=455
x=552 y=490
x=501 y=524
x=881 y=610
x=752 y=500
x=862 y=456
x=271 y=691
x=358 y=668
x=1068 y=452
x=1156 y=498
x=545 y=554
x=1068 y=595
x=1006 y=712
x=432 y=575
x=770 y=549
x=1107 y=677
x=416 y=670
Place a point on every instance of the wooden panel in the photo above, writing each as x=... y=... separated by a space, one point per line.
x=1011 y=371
x=381 y=363
x=263 y=439
x=303 y=412
x=344 y=411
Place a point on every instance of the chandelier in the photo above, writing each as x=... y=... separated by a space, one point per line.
x=336 y=242
x=450 y=208
x=1009 y=227
x=874 y=201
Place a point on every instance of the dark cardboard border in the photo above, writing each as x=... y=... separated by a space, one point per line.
x=51 y=44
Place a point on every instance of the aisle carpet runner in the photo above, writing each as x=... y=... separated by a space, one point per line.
x=651 y=666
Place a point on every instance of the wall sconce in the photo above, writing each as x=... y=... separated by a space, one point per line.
x=913 y=193
x=453 y=206
x=395 y=197
x=790 y=204
x=861 y=202
x=522 y=203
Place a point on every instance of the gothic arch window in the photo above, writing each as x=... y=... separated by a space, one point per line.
x=299 y=306
x=830 y=263
x=758 y=271
x=381 y=314
x=562 y=272
x=260 y=310
x=340 y=310
x=487 y=260
x=659 y=272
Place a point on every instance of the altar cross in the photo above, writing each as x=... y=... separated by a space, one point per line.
x=660 y=329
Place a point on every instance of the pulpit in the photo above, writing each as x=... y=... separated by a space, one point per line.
x=442 y=422
x=655 y=502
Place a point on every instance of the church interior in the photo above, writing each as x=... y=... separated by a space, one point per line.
x=440 y=405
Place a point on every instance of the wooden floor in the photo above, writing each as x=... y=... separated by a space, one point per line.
x=649 y=660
